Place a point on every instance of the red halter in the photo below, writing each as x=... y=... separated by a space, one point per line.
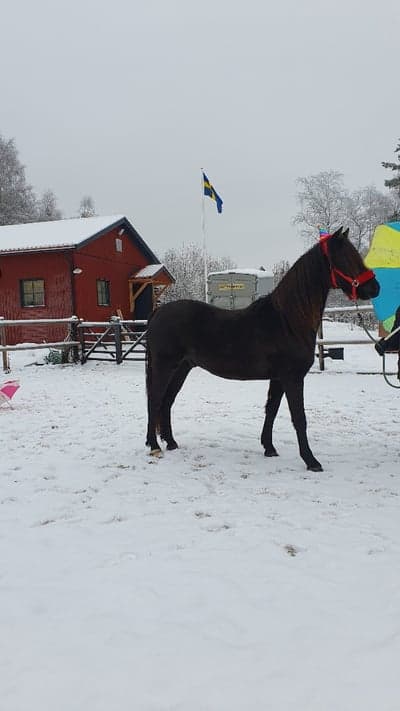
x=355 y=282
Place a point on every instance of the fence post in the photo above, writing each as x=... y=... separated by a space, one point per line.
x=116 y=321
x=321 y=347
x=73 y=334
x=82 y=342
x=3 y=342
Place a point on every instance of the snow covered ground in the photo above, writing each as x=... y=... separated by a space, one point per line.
x=212 y=579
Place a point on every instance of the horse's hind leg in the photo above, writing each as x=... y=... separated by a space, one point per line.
x=294 y=391
x=159 y=374
x=174 y=386
x=275 y=393
x=151 y=437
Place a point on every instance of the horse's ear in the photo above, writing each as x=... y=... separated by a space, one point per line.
x=346 y=233
x=338 y=232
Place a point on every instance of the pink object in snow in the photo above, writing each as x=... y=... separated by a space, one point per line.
x=7 y=391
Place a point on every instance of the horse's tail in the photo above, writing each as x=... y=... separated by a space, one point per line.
x=148 y=370
x=148 y=359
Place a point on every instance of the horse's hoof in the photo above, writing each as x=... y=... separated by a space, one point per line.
x=315 y=467
x=171 y=446
x=155 y=452
x=271 y=453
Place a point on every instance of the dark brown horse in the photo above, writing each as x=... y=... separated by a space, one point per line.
x=272 y=339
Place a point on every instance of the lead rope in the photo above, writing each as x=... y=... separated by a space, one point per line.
x=375 y=341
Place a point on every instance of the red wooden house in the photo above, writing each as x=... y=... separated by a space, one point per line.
x=93 y=267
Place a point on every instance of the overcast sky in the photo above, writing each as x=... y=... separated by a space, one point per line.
x=126 y=101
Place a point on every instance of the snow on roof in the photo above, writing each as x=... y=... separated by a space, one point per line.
x=52 y=234
x=149 y=271
x=260 y=273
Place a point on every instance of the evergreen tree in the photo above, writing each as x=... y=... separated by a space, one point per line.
x=394 y=183
x=17 y=199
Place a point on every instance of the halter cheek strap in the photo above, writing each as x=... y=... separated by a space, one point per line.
x=355 y=282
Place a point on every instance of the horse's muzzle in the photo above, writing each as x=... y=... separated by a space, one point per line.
x=375 y=288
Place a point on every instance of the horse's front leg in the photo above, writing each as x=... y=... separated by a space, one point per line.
x=294 y=391
x=275 y=393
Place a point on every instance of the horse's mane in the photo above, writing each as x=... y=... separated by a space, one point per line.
x=301 y=294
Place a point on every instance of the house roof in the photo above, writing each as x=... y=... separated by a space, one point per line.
x=65 y=234
x=151 y=270
x=148 y=271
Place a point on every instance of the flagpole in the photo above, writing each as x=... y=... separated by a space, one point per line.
x=203 y=227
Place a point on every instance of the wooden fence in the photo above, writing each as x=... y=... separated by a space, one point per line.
x=115 y=340
x=118 y=340
x=322 y=343
x=70 y=343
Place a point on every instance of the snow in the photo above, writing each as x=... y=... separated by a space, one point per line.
x=149 y=271
x=212 y=579
x=59 y=233
x=260 y=273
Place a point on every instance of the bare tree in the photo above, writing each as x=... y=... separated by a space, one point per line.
x=326 y=203
x=17 y=199
x=322 y=199
x=186 y=263
x=279 y=270
x=46 y=207
x=365 y=209
x=86 y=207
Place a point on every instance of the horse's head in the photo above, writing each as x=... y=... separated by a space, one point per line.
x=347 y=269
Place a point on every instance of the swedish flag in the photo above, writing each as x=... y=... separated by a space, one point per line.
x=210 y=192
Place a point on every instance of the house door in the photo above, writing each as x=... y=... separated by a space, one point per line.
x=144 y=303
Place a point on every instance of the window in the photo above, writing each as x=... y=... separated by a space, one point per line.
x=118 y=244
x=32 y=292
x=103 y=292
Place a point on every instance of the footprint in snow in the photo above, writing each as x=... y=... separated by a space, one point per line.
x=291 y=550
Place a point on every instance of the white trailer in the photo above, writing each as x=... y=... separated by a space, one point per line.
x=237 y=288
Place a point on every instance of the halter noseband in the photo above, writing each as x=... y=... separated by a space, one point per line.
x=355 y=282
